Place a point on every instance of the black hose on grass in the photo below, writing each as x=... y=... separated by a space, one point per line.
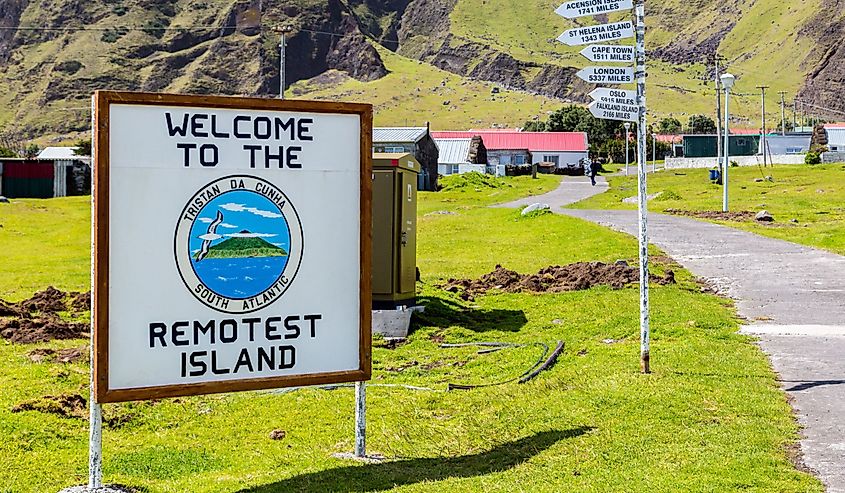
x=541 y=364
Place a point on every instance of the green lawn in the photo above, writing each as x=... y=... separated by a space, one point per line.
x=710 y=417
x=812 y=195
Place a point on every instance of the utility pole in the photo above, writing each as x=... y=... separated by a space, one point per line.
x=763 y=129
x=718 y=110
x=782 y=114
x=282 y=45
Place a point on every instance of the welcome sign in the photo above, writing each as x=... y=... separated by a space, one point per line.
x=231 y=244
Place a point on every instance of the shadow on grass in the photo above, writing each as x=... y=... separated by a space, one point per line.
x=388 y=475
x=443 y=313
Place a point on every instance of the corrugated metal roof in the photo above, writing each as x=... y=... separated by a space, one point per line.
x=398 y=134
x=453 y=151
x=669 y=138
x=57 y=153
x=531 y=141
x=835 y=136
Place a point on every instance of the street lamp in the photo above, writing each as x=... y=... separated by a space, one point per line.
x=282 y=31
x=727 y=82
x=627 y=128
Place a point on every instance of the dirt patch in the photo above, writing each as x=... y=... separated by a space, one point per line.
x=64 y=405
x=69 y=355
x=81 y=302
x=37 y=319
x=718 y=215
x=26 y=330
x=51 y=300
x=554 y=279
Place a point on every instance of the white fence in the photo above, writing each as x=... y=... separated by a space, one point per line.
x=712 y=162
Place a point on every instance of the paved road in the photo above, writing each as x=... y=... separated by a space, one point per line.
x=572 y=189
x=792 y=296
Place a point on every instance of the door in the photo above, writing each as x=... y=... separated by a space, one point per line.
x=408 y=232
x=383 y=231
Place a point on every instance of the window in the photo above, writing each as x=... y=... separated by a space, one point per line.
x=519 y=159
x=740 y=142
x=455 y=169
x=794 y=150
x=394 y=149
x=834 y=148
x=505 y=159
x=552 y=159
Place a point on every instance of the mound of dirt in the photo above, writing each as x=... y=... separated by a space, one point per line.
x=718 y=215
x=554 y=279
x=36 y=319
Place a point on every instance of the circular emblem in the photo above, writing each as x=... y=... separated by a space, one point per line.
x=238 y=244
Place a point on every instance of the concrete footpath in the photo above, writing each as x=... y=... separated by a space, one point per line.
x=792 y=296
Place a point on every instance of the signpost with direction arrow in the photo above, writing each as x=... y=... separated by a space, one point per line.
x=580 y=8
x=618 y=104
x=609 y=53
x=599 y=33
x=607 y=75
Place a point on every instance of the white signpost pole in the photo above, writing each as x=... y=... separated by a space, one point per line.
x=360 y=420
x=645 y=333
x=95 y=410
x=612 y=104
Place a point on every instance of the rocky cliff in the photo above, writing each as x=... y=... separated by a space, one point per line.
x=65 y=49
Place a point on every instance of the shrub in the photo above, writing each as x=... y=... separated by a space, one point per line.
x=812 y=158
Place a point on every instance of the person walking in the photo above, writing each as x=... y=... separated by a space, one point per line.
x=591 y=170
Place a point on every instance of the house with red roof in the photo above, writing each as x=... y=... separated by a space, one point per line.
x=511 y=147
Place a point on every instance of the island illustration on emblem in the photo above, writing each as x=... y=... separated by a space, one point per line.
x=239 y=244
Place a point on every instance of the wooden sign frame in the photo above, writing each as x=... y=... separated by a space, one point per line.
x=100 y=238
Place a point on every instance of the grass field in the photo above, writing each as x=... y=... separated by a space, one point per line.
x=814 y=196
x=710 y=417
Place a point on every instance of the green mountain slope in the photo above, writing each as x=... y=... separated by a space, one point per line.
x=455 y=63
x=245 y=247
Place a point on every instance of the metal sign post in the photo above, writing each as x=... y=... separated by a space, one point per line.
x=617 y=104
x=360 y=419
x=645 y=332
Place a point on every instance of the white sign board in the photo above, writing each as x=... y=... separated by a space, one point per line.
x=609 y=53
x=617 y=96
x=231 y=244
x=598 y=33
x=580 y=8
x=607 y=75
x=613 y=111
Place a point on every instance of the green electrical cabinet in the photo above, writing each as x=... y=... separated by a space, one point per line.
x=394 y=230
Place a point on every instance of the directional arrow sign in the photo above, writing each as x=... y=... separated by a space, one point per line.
x=614 y=96
x=594 y=34
x=609 y=53
x=580 y=8
x=610 y=111
x=607 y=75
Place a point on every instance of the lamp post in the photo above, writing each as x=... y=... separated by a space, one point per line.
x=727 y=82
x=654 y=153
x=627 y=128
x=282 y=31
